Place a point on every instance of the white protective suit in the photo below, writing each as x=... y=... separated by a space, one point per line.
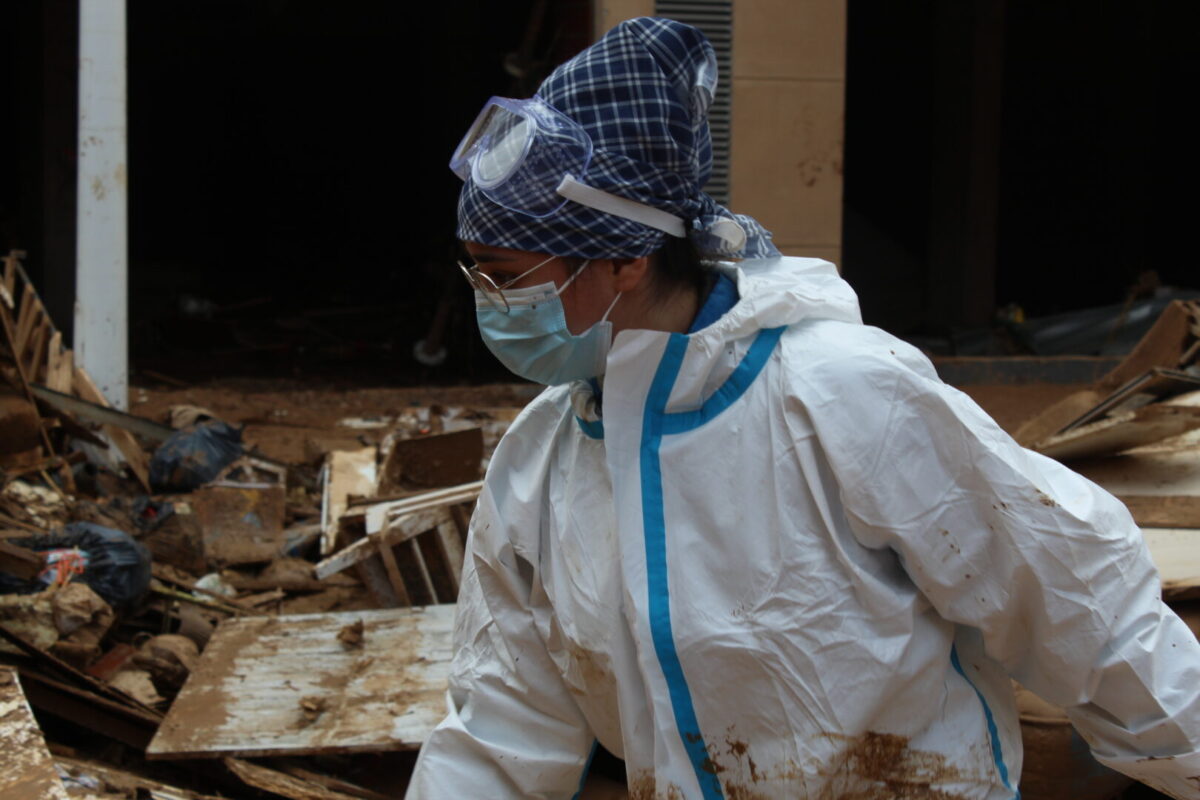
x=796 y=565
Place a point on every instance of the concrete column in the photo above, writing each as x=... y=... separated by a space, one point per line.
x=102 y=247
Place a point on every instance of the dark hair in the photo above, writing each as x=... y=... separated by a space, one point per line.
x=677 y=265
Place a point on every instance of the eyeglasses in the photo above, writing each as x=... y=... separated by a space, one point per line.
x=484 y=284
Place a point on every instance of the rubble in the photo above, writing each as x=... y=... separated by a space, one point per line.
x=229 y=519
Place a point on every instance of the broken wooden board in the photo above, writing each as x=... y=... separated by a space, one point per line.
x=21 y=562
x=410 y=525
x=1144 y=426
x=139 y=462
x=240 y=524
x=429 y=462
x=1163 y=511
x=346 y=473
x=287 y=686
x=28 y=772
x=378 y=515
x=282 y=784
x=126 y=783
x=1176 y=553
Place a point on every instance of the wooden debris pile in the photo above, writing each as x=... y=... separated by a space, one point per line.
x=299 y=610
x=1137 y=433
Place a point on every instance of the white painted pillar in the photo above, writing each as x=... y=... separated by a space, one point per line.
x=102 y=244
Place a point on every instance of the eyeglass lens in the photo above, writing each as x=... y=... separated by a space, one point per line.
x=481 y=282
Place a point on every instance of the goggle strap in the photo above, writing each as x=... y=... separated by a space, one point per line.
x=621 y=207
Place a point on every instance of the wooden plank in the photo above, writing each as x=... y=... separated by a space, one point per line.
x=10 y=274
x=35 y=357
x=87 y=710
x=417 y=560
x=1163 y=511
x=377 y=515
x=135 y=457
x=371 y=573
x=21 y=562
x=60 y=364
x=388 y=557
x=282 y=784
x=336 y=784
x=25 y=320
x=409 y=525
x=28 y=772
x=1176 y=553
x=347 y=472
x=1147 y=425
x=129 y=784
x=6 y=323
x=452 y=551
x=243 y=698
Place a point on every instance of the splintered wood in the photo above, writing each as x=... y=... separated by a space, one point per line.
x=28 y=772
x=268 y=686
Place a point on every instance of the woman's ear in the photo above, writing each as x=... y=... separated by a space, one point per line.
x=630 y=273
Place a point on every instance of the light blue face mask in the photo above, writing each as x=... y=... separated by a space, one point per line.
x=533 y=341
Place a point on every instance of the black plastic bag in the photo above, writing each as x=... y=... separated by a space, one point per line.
x=194 y=456
x=109 y=561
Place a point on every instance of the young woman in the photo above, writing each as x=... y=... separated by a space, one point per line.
x=744 y=542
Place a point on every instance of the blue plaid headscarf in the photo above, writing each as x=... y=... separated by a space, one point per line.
x=642 y=93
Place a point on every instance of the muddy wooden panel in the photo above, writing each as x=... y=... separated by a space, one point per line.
x=289 y=686
x=429 y=462
x=240 y=524
x=28 y=772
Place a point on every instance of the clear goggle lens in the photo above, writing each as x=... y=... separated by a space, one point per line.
x=518 y=152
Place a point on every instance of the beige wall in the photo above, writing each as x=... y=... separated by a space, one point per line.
x=788 y=102
x=789 y=81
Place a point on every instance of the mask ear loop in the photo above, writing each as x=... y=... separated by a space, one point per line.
x=611 y=306
x=571 y=279
x=575 y=275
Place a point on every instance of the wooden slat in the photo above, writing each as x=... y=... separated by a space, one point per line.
x=377 y=516
x=28 y=772
x=1147 y=425
x=403 y=528
x=243 y=697
x=452 y=551
x=21 y=562
x=372 y=575
x=388 y=557
x=135 y=457
x=1163 y=511
x=25 y=320
x=282 y=784
x=35 y=356
x=1176 y=553
x=417 y=559
x=10 y=274
x=60 y=364
x=6 y=323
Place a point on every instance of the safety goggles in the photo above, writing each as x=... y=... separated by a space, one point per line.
x=528 y=157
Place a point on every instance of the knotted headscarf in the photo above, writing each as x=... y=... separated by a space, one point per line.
x=642 y=93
